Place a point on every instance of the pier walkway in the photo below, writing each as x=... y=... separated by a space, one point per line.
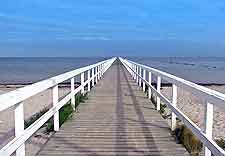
x=117 y=119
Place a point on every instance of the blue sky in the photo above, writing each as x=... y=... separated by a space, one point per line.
x=112 y=27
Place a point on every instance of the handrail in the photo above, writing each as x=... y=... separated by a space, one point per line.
x=212 y=96
x=209 y=95
x=16 y=98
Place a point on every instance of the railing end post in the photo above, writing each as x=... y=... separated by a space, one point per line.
x=19 y=127
x=55 y=98
x=208 y=124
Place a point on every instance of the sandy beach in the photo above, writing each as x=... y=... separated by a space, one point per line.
x=194 y=108
x=31 y=106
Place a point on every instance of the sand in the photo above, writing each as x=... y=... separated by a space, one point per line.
x=31 y=106
x=194 y=107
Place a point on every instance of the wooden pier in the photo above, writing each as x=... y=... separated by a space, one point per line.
x=117 y=119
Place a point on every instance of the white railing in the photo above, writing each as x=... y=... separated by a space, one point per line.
x=211 y=98
x=16 y=98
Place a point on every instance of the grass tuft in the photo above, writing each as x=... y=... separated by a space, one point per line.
x=186 y=137
x=221 y=143
x=64 y=113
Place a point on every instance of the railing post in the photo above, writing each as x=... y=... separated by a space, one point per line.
x=158 y=89
x=174 y=103
x=92 y=75
x=98 y=72
x=19 y=127
x=89 y=78
x=72 y=96
x=140 y=76
x=137 y=71
x=150 y=82
x=96 y=76
x=55 y=97
x=82 y=82
x=208 y=124
x=103 y=70
x=132 y=70
x=144 y=77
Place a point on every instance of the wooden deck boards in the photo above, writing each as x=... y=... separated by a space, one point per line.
x=117 y=119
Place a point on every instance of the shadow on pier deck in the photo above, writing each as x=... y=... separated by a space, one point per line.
x=117 y=119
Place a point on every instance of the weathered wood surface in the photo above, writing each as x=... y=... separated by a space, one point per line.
x=117 y=119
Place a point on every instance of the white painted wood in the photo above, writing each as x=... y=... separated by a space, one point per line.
x=208 y=124
x=72 y=96
x=144 y=77
x=132 y=73
x=140 y=76
x=102 y=70
x=89 y=83
x=19 y=127
x=150 y=82
x=82 y=82
x=137 y=72
x=96 y=77
x=93 y=78
x=55 y=98
x=158 y=89
x=174 y=103
x=98 y=72
x=205 y=139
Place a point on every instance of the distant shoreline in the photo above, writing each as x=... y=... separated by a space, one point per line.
x=67 y=84
x=18 y=85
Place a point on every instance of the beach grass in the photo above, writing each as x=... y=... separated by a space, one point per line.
x=182 y=134
x=64 y=113
x=186 y=137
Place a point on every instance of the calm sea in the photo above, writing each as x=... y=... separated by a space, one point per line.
x=203 y=70
x=29 y=70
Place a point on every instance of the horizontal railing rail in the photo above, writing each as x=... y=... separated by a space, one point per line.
x=16 y=98
x=211 y=97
